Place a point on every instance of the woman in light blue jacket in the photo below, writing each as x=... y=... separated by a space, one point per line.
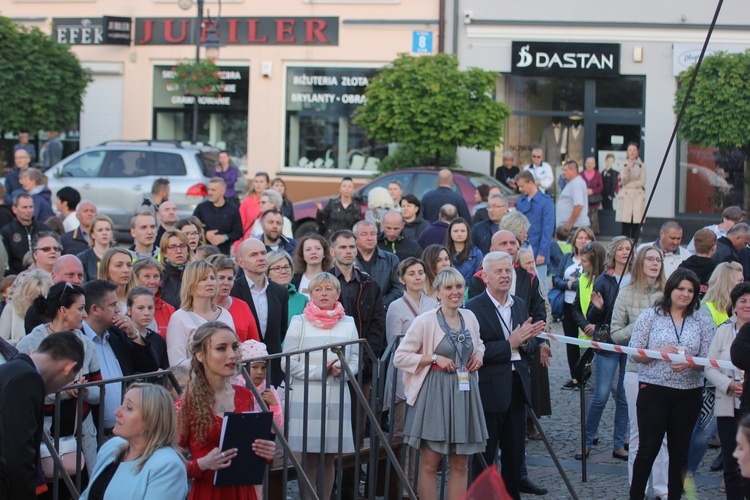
x=142 y=460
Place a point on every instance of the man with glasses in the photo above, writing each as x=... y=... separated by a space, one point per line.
x=272 y=221
x=18 y=234
x=12 y=184
x=220 y=219
x=481 y=232
x=541 y=170
x=539 y=208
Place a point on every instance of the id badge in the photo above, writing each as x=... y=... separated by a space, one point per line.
x=515 y=355
x=680 y=351
x=463 y=379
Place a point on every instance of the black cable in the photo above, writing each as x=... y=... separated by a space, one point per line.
x=672 y=138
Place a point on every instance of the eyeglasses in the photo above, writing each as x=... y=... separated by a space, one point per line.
x=50 y=249
x=280 y=269
x=653 y=259
x=172 y=248
x=536 y=156
x=193 y=235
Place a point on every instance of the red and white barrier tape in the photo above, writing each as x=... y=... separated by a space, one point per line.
x=680 y=358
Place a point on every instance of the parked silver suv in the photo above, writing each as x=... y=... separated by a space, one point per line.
x=116 y=174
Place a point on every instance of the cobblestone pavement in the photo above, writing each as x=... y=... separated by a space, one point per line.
x=606 y=477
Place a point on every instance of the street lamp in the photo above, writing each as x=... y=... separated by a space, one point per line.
x=212 y=45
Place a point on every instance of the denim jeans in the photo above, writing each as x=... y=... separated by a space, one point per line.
x=606 y=366
x=541 y=272
x=699 y=440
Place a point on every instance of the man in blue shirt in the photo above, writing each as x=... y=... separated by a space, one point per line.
x=121 y=350
x=539 y=208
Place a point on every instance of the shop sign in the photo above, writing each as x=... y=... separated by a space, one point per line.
x=591 y=60
x=240 y=31
x=687 y=54
x=107 y=30
x=326 y=89
x=231 y=92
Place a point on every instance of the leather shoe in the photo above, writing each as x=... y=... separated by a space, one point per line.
x=619 y=456
x=528 y=486
x=579 y=456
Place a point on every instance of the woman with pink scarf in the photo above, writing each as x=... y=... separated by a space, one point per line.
x=322 y=323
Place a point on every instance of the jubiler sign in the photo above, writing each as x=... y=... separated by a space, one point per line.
x=597 y=60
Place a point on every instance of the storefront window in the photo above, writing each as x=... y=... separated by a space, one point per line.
x=222 y=122
x=320 y=103
x=710 y=180
x=526 y=93
x=621 y=93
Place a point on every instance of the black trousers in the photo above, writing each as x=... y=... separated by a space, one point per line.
x=630 y=229
x=727 y=436
x=664 y=410
x=571 y=330
x=507 y=431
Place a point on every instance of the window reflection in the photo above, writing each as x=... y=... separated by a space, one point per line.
x=620 y=93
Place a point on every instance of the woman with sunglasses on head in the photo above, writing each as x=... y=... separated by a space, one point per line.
x=566 y=279
x=598 y=314
x=65 y=308
x=645 y=288
x=671 y=392
x=175 y=255
x=117 y=267
x=193 y=229
x=280 y=270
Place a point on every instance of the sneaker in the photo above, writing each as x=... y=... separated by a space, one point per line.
x=570 y=385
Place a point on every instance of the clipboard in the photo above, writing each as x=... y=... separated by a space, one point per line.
x=240 y=430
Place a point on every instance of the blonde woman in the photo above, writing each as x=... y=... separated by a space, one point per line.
x=117 y=267
x=12 y=327
x=142 y=459
x=101 y=239
x=198 y=306
x=717 y=304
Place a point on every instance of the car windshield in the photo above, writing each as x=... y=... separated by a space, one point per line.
x=479 y=179
x=208 y=161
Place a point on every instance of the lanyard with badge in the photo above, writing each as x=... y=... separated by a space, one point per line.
x=679 y=346
x=462 y=372
x=739 y=375
x=515 y=353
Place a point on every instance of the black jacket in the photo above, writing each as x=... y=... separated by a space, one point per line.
x=495 y=375
x=73 y=242
x=363 y=301
x=171 y=282
x=744 y=256
x=435 y=199
x=607 y=286
x=401 y=248
x=413 y=230
x=278 y=318
x=21 y=416
x=383 y=269
x=17 y=240
x=6 y=215
x=725 y=251
x=527 y=288
x=226 y=219
x=740 y=354
x=703 y=267
x=434 y=234
x=158 y=349
x=334 y=217
x=288 y=245
x=90 y=262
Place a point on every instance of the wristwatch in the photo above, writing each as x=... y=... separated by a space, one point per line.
x=434 y=359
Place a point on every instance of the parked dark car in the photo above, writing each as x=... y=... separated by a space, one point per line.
x=416 y=181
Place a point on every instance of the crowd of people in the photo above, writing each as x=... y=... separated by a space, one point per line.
x=465 y=293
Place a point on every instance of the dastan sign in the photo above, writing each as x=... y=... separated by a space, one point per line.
x=107 y=30
x=240 y=31
x=592 y=60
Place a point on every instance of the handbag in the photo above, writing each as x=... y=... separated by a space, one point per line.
x=556 y=299
x=595 y=198
x=67 y=450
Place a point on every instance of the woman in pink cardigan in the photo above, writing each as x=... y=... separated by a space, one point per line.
x=439 y=355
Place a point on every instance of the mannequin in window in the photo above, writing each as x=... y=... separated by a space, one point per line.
x=575 y=139
x=554 y=142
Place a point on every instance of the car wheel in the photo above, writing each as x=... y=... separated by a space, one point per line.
x=307 y=227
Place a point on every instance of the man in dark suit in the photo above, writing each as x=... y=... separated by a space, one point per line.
x=504 y=386
x=24 y=381
x=121 y=350
x=268 y=301
x=444 y=193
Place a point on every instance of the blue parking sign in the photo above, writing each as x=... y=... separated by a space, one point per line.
x=422 y=42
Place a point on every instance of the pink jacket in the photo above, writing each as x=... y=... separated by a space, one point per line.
x=422 y=338
x=278 y=415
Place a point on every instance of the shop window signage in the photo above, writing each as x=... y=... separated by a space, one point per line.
x=241 y=31
x=232 y=92
x=590 y=60
x=107 y=30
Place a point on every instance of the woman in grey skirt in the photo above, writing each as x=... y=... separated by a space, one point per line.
x=439 y=355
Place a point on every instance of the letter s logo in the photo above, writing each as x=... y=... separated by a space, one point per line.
x=526 y=58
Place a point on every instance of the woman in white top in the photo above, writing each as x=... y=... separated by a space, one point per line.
x=729 y=385
x=117 y=267
x=198 y=306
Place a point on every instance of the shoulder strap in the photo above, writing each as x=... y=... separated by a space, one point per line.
x=411 y=308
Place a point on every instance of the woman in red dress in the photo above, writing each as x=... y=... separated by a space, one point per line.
x=209 y=394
